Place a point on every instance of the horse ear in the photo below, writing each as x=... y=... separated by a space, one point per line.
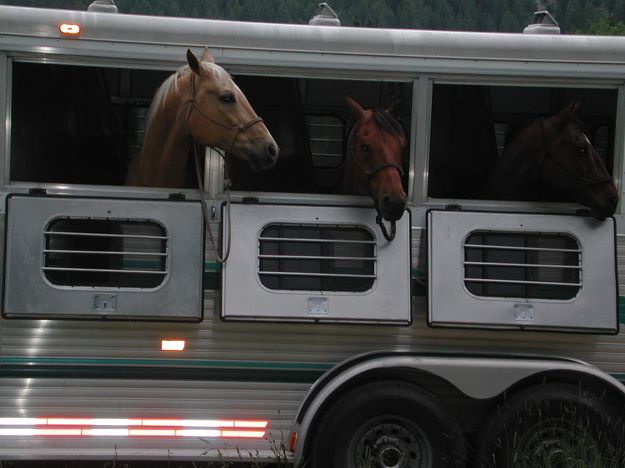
x=393 y=107
x=194 y=63
x=567 y=113
x=207 y=56
x=357 y=110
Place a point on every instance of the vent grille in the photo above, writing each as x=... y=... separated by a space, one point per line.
x=529 y=266
x=317 y=258
x=105 y=253
x=326 y=140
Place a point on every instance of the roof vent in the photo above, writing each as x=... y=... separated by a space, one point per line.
x=325 y=16
x=103 y=6
x=542 y=23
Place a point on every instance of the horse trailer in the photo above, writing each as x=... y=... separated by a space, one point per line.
x=485 y=330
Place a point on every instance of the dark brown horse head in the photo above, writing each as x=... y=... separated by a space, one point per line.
x=377 y=141
x=572 y=166
x=221 y=116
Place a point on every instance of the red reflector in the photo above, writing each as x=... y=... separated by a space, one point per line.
x=69 y=29
x=172 y=345
x=292 y=441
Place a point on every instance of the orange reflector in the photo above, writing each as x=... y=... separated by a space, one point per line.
x=172 y=345
x=69 y=29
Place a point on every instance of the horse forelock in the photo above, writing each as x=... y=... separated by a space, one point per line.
x=171 y=85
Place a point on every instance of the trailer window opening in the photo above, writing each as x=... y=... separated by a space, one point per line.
x=472 y=125
x=522 y=265
x=310 y=122
x=317 y=258
x=76 y=124
x=108 y=253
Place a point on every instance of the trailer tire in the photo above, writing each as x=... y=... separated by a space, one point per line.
x=552 y=425
x=387 y=424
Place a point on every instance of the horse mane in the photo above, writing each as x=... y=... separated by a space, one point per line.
x=387 y=122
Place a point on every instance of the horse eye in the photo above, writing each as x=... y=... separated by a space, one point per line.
x=365 y=148
x=228 y=98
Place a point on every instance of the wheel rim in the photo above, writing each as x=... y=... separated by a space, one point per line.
x=558 y=443
x=396 y=443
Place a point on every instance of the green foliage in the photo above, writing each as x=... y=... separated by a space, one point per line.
x=574 y=16
x=606 y=27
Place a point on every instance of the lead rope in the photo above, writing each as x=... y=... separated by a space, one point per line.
x=380 y=222
x=220 y=259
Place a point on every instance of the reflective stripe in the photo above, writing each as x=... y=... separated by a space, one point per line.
x=144 y=427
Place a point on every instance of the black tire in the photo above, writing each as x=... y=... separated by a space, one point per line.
x=387 y=424
x=552 y=425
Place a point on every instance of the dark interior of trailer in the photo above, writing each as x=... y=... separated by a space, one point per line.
x=84 y=124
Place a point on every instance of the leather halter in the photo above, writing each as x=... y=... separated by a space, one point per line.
x=238 y=128
x=370 y=174
x=547 y=156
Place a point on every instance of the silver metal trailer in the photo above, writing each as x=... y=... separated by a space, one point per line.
x=122 y=337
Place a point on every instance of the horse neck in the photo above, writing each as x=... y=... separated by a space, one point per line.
x=163 y=159
x=354 y=180
x=513 y=176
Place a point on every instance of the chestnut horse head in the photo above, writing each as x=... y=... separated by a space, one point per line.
x=554 y=158
x=374 y=162
x=199 y=103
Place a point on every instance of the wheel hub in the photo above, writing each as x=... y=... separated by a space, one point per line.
x=393 y=445
x=390 y=454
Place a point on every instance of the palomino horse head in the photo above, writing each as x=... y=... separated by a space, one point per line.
x=570 y=164
x=219 y=115
x=201 y=103
x=376 y=143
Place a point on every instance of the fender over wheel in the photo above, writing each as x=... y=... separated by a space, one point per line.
x=552 y=425
x=387 y=424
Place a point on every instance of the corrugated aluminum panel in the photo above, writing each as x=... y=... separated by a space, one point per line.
x=256 y=356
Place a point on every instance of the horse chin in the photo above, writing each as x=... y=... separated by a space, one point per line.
x=260 y=163
x=394 y=214
x=261 y=166
x=600 y=214
x=602 y=208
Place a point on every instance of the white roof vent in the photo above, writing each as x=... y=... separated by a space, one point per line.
x=542 y=23
x=103 y=6
x=325 y=16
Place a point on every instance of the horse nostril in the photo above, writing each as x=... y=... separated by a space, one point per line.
x=392 y=201
x=272 y=150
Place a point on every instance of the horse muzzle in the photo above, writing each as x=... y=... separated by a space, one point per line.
x=265 y=158
x=392 y=206
x=601 y=199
